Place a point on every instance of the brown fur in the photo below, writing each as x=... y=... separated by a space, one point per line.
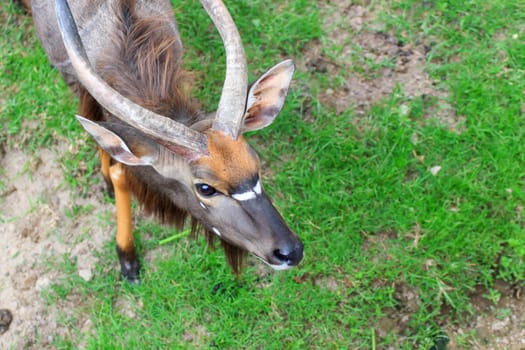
x=159 y=205
x=142 y=66
x=230 y=161
x=87 y=106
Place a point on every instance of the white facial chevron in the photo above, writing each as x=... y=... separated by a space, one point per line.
x=250 y=194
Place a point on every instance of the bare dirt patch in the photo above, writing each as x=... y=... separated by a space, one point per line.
x=497 y=320
x=35 y=235
x=494 y=324
x=372 y=63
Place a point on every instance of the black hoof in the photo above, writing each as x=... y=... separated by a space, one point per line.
x=130 y=271
x=129 y=266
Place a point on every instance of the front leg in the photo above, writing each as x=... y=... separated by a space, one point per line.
x=129 y=263
x=105 y=163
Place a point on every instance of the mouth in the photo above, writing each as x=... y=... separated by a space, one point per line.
x=276 y=267
x=281 y=267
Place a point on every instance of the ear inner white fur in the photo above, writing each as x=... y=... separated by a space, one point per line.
x=266 y=96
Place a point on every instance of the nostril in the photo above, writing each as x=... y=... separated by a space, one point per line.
x=290 y=257
x=279 y=255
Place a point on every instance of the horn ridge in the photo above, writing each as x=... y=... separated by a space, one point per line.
x=230 y=112
x=152 y=124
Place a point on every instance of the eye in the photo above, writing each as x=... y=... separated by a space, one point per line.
x=206 y=190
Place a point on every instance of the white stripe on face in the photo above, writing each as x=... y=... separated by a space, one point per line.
x=250 y=194
x=244 y=196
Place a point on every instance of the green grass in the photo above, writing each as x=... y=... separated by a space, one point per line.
x=358 y=196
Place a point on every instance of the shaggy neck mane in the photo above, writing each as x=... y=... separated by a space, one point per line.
x=143 y=65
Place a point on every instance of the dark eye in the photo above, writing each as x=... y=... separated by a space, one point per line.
x=206 y=190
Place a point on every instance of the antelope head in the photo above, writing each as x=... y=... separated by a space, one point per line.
x=208 y=168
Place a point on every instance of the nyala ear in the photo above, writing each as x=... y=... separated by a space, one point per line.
x=145 y=152
x=129 y=146
x=266 y=96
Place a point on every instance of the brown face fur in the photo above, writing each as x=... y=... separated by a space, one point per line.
x=229 y=163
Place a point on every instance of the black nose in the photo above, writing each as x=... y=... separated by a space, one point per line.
x=290 y=255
